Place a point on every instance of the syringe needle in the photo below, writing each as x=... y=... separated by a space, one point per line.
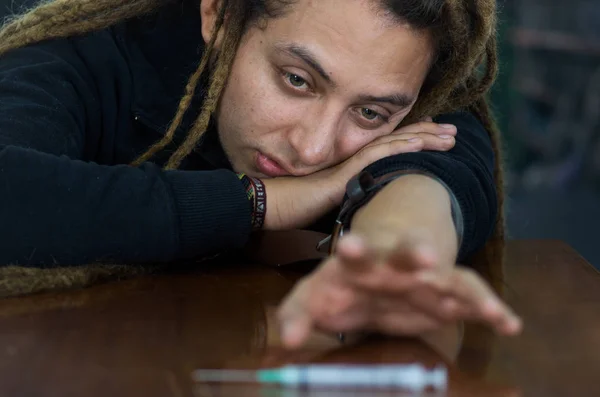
x=224 y=375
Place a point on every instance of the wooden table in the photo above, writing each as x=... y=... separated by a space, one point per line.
x=145 y=336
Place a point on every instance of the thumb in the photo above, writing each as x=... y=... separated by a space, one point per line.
x=295 y=331
x=294 y=319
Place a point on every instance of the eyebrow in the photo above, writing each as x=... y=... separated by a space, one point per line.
x=304 y=54
x=307 y=56
x=400 y=100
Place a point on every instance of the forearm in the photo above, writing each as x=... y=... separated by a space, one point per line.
x=467 y=170
x=296 y=203
x=417 y=204
x=59 y=211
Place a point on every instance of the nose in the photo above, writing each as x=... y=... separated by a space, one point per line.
x=314 y=138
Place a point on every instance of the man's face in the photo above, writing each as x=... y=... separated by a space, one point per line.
x=316 y=85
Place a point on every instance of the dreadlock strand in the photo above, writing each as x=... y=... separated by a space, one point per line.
x=490 y=260
x=483 y=110
x=463 y=86
x=491 y=60
x=65 y=18
x=186 y=100
x=493 y=252
x=484 y=50
x=175 y=123
x=232 y=37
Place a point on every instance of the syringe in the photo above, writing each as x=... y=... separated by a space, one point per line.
x=412 y=377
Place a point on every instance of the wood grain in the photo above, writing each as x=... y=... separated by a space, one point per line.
x=144 y=337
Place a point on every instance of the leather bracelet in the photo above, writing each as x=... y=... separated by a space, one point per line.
x=361 y=188
x=257 y=195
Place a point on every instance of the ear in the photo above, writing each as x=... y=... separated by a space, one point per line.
x=209 y=14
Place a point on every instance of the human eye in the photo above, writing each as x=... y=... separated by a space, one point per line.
x=296 y=81
x=369 y=118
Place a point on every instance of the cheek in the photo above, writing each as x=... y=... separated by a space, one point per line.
x=254 y=98
x=355 y=138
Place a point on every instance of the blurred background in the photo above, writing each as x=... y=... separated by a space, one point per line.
x=547 y=101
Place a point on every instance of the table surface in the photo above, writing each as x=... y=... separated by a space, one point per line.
x=144 y=337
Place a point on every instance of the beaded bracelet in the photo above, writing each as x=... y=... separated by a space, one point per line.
x=257 y=195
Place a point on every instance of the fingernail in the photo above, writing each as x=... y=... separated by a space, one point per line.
x=426 y=277
x=287 y=330
x=448 y=126
x=511 y=327
x=446 y=136
x=352 y=244
x=517 y=325
x=351 y=239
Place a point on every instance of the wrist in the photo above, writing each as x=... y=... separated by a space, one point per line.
x=295 y=202
x=257 y=197
x=416 y=207
x=276 y=198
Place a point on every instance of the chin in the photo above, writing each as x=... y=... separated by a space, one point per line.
x=244 y=169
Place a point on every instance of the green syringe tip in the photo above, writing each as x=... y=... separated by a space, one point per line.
x=269 y=376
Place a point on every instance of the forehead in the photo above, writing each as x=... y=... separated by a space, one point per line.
x=354 y=35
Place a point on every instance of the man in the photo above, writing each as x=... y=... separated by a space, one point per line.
x=300 y=98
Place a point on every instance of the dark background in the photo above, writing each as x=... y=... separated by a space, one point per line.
x=547 y=99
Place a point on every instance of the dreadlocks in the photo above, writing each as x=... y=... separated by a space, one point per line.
x=463 y=30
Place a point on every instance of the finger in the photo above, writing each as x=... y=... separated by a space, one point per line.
x=438 y=307
x=416 y=255
x=296 y=332
x=353 y=254
x=428 y=119
x=385 y=281
x=339 y=305
x=452 y=309
x=443 y=308
x=394 y=318
x=476 y=298
x=430 y=141
x=323 y=301
x=413 y=254
x=429 y=127
x=439 y=143
x=484 y=302
x=376 y=151
x=344 y=315
x=294 y=317
x=393 y=273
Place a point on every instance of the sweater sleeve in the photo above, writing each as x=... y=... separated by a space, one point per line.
x=467 y=170
x=58 y=209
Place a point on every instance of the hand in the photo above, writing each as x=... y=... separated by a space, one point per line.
x=402 y=293
x=294 y=203
x=424 y=135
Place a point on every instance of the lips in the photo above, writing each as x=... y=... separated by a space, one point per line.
x=269 y=167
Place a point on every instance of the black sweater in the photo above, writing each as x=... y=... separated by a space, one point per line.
x=74 y=112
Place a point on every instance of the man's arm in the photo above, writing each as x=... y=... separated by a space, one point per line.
x=414 y=208
x=395 y=271
x=60 y=210
x=467 y=170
